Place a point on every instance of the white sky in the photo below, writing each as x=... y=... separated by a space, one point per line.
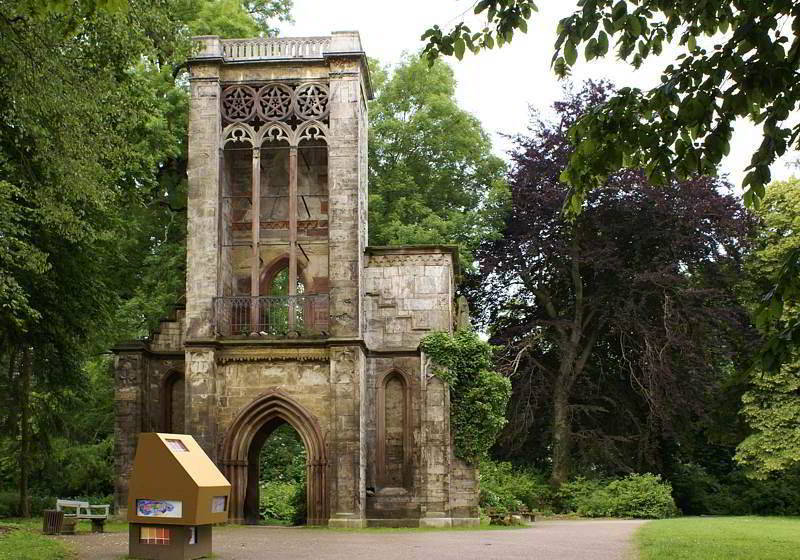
x=497 y=86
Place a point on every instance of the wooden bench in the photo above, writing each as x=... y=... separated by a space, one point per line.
x=500 y=517
x=75 y=511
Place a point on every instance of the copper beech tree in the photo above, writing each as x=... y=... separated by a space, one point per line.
x=739 y=60
x=619 y=323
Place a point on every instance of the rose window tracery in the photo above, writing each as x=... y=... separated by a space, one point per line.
x=275 y=102
x=239 y=103
x=311 y=101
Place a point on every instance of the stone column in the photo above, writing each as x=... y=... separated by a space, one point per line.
x=347 y=441
x=203 y=169
x=347 y=186
x=129 y=369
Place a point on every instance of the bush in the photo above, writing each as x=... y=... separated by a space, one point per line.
x=299 y=504
x=699 y=492
x=9 y=504
x=505 y=488
x=572 y=494
x=643 y=496
x=276 y=500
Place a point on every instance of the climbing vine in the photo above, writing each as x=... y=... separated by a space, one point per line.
x=478 y=394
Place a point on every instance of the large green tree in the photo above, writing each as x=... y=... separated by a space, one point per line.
x=70 y=101
x=771 y=407
x=433 y=177
x=92 y=192
x=740 y=60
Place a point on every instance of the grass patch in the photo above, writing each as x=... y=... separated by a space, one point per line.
x=17 y=542
x=83 y=527
x=720 y=538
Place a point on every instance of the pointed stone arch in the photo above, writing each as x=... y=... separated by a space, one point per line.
x=272 y=407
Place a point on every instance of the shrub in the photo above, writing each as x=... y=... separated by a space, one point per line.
x=505 y=488
x=643 y=496
x=9 y=503
x=276 y=501
x=699 y=492
x=299 y=504
x=572 y=494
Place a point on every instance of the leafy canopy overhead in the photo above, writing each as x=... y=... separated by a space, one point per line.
x=740 y=60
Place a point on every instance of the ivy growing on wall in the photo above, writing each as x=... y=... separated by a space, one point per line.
x=478 y=394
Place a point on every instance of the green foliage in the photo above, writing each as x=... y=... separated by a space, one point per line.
x=237 y=18
x=739 y=61
x=771 y=406
x=276 y=500
x=700 y=492
x=504 y=488
x=772 y=409
x=283 y=457
x=478 y=394
x=429 y=186
x=9 y=504
x=643 y=496
x=774 y=267
x=283 y=477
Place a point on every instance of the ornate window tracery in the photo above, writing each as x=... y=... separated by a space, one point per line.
x=275 y=191
x=275 y=103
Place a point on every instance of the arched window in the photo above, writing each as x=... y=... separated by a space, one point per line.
x=173 y=403
x=393 y=431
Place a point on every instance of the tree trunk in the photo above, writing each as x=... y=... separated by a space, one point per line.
x=562 y=435
x=24 y=432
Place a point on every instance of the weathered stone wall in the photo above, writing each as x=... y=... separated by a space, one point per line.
x=345 y=243
x=347 y=446
x=240 y=382
x=408 y=292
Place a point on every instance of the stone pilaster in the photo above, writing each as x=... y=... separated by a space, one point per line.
x=129 y=370
x=203 y=205
x=347 y=183
x=201 y=398
x=347 y=442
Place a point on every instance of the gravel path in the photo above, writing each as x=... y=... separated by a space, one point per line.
x=546 y=540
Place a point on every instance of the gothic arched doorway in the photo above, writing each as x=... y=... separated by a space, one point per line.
x=243 y=441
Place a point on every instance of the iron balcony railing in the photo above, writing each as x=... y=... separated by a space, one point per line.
x=272 y=316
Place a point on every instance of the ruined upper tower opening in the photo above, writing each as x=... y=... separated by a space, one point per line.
x=289 y=190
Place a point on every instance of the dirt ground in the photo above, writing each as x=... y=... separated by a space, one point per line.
x=546 y=540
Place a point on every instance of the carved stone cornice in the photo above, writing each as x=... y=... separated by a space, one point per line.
x=273 y=354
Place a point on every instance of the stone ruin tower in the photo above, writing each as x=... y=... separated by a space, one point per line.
x=289 y=315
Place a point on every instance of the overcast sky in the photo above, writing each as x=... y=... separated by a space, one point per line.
x=497 y=86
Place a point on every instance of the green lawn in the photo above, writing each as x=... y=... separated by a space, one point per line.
x=18 y=542
x=720 y=538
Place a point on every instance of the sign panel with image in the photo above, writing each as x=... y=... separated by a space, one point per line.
x=159 y=508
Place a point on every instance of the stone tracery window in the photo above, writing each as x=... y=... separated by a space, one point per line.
x=274 y=196
x=275 y=101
